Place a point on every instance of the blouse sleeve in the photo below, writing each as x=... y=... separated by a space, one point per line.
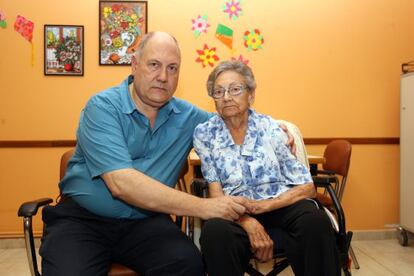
x=202 y=147
x=293 y=170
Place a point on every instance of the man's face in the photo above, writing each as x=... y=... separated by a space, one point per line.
x=156 y=71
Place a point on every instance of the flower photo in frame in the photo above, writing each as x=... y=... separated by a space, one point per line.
x=121 y=27
x=63 y=50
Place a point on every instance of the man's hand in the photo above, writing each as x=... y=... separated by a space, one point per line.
x=249 y=204
x=291 y=141
x=225 y=207
x=260 y=242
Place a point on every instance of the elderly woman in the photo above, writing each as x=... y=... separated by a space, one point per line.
x=243 y=153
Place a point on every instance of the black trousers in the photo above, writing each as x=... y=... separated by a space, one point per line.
x=77 y=242
x=302 y=230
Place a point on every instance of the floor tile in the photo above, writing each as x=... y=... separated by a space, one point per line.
x=376 y=258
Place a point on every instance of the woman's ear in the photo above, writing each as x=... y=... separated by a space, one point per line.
x=251 y=97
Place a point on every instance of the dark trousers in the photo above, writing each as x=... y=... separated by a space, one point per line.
x=77 y=242
x=302 y=230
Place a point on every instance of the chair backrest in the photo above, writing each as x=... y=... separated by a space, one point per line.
x=338 y=157
x=68 y=155
x=182 y=186
x=64 y=162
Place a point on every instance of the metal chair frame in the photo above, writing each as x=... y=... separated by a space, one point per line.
x=337 y=162
x=29 y=209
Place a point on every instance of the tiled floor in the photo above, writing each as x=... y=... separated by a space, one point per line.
x=376 y=258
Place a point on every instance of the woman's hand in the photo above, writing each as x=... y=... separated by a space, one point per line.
x=260 y=242
x=260 y=206
x=287 y=198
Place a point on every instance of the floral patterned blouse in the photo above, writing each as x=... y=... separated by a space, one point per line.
x=261 y=168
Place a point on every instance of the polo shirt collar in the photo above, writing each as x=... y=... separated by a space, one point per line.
x=128 y=106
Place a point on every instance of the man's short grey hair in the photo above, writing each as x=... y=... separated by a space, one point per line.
x=231 y=65
x=144 y=41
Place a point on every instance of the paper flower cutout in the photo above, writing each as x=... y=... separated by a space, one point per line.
x=241 y=58
x=225 y=35
x=253 y=40
x=3 y=22
x=207 y=56
x=233 y=9
x=24 y=27
x=200 y=25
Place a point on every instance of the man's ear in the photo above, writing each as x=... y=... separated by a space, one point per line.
x=134 y=63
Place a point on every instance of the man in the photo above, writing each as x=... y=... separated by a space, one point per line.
x=132 y=141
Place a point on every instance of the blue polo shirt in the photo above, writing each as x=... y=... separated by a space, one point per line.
x=113 y=134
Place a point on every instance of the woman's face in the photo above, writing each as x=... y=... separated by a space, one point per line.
x=232 y=106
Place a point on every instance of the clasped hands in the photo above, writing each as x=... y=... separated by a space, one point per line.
x=239 y=209
x=261 y=244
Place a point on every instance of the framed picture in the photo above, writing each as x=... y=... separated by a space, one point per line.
x=63 y=50
x=121 y=27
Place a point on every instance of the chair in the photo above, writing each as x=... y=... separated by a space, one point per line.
x=29 y=209
x=337 y=156
x=187 y=223
x=199 y=188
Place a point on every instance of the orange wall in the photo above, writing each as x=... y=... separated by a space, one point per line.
x=331 y=67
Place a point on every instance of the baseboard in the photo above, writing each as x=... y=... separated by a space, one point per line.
x=8 y=243
x=18 y=234
x=381 y=234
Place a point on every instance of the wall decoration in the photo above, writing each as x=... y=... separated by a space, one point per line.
x=25 y=28
x=225 y=35
x=207 y=56
x=241 y=58
x=121 y=27
x=253 y=40
x=233 y=8
x=63 y=50
x=3 y=23
x=200 y=25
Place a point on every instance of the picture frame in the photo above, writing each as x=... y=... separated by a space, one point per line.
x=121 y=27
x=63 y=50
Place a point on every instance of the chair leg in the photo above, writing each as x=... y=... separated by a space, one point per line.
x=279 y=266
x=252 y=271
x=30 y=246
x=353 y=257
